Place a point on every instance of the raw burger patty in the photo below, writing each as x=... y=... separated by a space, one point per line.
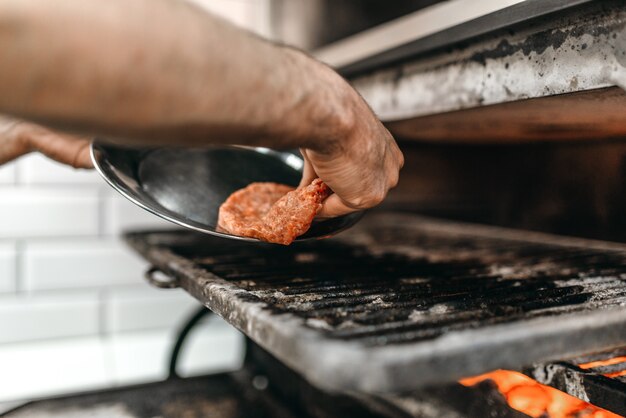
x=272 y=212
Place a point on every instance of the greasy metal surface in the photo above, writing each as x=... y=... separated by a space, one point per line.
x=403 y=301
x=446 y=401
x=217 y=396
x=573 y=51
x=187 y=186
x=603 y=386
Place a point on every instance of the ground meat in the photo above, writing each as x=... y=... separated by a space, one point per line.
x=272 y=212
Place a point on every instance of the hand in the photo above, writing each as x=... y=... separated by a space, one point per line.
x=360 y=167
x=18 y=138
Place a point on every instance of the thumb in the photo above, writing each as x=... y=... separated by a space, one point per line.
x=334 y=206
x=308 y=173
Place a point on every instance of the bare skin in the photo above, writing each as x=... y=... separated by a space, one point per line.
x=18 y=138
x=162 y=72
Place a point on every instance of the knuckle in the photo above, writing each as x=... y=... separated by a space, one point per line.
x=400 y=159
x=378 y=198
x=393 y=180
x=369 y=200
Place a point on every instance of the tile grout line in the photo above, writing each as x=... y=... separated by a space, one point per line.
x=19 y=266
x=102 y=203
x=103 y=296
x=16 y=173
x=105 y=338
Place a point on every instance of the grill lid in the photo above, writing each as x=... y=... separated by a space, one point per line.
x=403 y=301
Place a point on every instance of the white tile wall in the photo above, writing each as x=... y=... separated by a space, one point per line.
x=8 y=257
x=79 y=263
x=211 y=348
x=147 y=308
x=7 y=174
x=38 y=212
x=79 y=364
x=36 y=169
x=52 y=367
x=50 y=316
x=122 y=214
x=75 y=313
x=144 y=357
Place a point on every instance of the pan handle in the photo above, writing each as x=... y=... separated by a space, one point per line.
x=157 y=278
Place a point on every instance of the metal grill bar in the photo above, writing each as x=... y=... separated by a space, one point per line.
x=403 y=301
x=596 y=385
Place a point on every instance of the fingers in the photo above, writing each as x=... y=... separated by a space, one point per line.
x=334 y=206
x=397 y=154
x=308 y=173
x=83 y=156
x=11 y=149
x=11 y=144
x=393 y=166
x=66 y=149
x=18 y=138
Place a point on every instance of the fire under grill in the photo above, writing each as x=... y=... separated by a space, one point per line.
x=401 y=301
x=599 y=379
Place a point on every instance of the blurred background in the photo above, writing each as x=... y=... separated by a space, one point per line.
x=75 y=312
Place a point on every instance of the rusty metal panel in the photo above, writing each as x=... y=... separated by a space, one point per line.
x=575 y=51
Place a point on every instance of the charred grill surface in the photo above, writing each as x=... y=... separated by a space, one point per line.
x=403 y=301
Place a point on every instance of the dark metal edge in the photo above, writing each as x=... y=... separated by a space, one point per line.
x=493 y=22
x=596 y=389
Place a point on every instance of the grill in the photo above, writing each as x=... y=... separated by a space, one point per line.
x=599 y=378
x=402 y=301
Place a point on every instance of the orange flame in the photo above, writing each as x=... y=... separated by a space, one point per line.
x=532 y=398
x=614 y=360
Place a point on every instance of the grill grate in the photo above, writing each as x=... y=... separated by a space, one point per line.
x=403 y=301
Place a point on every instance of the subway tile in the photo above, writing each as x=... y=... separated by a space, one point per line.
x=143 y=357
x=24 y=318
x=211 y=348
x=37 y=169
x=47 y=368
x=7 y=267
x=44 y=212
x=7 y=174
x=147 y=308
x=138 y=358
x=121 y=215
x=79 y=263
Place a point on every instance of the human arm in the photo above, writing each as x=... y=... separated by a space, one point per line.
x=161 y=72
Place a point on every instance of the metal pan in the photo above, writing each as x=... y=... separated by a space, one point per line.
x=187 y=186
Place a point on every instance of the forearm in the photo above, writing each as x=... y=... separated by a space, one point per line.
x=160 y=71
